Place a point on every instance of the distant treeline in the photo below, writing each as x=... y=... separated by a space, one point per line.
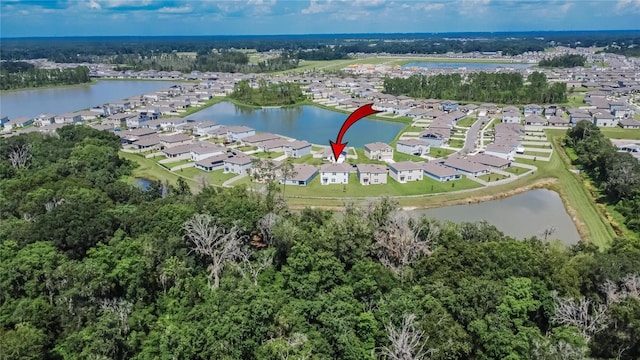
x=483 y=87
x=224 y=61
x=617 y=174
x=564 y=61
x=20 y=75
x=268 y=95
x=323 y=47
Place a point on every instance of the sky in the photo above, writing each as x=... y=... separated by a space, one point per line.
x=21 y=18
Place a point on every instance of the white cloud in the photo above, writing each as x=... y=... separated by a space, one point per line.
x=627 y=5
x=429 y=7
x=565 y=8
x=94 y=5
x=176 y=10
x=315 y=7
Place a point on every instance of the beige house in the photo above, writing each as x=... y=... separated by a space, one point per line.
x=378 y=151
x=405 y=171
x=369 y=174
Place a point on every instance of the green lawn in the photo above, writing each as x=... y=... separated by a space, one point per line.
x=316 y=148
x=440 y=152
x=575 y=100
x=538 y=146
x=398 y=156
x=247 y=148
x=177 y=163
x=620 y=133
x=492 y=177
x=362 y=159
x=268 y=155
x=537 y=153
x=466 y=122
x=216 y=177
x=149 y=169
x=307 y=159
x=517 y=170
x=392 y=188
x=456 y=143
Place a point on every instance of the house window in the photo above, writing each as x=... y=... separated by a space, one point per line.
x=333 y=174
x=375 y=181
x=333 y=180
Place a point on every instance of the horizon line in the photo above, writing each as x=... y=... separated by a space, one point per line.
x=325 y=34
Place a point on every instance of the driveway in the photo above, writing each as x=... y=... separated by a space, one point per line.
x=471 y=138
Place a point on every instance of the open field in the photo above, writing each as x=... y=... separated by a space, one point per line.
x=466 y=122
x=149 y=169
x=575 y=100
x=492 y=177
x=216 y=177
x=517 y=170
x=398 y=156
x=440 y=152
x=620 y=133
x=268 y=155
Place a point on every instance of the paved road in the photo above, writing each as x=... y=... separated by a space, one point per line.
x=472 y=136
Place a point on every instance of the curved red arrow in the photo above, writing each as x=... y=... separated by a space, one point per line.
x=359 y=113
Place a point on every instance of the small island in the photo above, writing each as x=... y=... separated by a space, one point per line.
x=275 y=94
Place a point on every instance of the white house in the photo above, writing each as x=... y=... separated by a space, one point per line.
x=297 y=149
x=412 y=147
x=237 y=133
x=238 y=164
x=44 y=119
x=371 y=174
x=67 y=118
x=405 y=171
x=202 y=150
x=17 y=123
x=435 y=137
x=378 y=151
x=501 y=150
x=605 y=120
x=440 y=172
x=212 y=163
x=511 y=117
x=334 y=174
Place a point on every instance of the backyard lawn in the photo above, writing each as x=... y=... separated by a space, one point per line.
x=466 y=122
x=268 y=155
x=307 y=159
x=440 y=152
x=216 y=177
x=398 y=156
x=362 y=159
x=517 y=170
x=393 y=188
x=538 y=154
x=620 y=133
x=492 y=177
x=456 y=143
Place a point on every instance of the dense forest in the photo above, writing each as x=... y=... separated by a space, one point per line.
x=564 y=61
x=224 y=61
x=93 y=267
x=20 y=75
x=330 y=46
x=617 y=174
x=499 y=88
x=267 y=95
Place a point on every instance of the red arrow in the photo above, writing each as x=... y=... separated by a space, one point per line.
x=358 y=114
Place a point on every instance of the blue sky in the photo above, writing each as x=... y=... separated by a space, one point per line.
x=263 y=17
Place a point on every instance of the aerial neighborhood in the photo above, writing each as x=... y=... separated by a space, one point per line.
x=446 y=141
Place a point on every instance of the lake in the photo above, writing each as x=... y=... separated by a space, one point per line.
x=67 y=99
x=468 y=65
x=523 y=215
x=310 y=123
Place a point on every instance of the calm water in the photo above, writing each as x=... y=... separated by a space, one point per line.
x=61 y=100
x=523 y=215
x=309 y=123
x=468 y=65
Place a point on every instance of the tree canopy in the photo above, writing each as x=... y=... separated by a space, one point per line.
x=94 y=267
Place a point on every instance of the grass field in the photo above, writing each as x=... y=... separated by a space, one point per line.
x=466 y=122
x=492 y=177
x=620 y=133
x=456 y=143
x=177 y=163
x=440 y=152
x=517 y=170
x=575 y=100
x=307 y=159
x=216 y=177
x=355 y=189
x=398 y=156
x=537 y=153
x=149 y=169
x=268 y=155
x=362 y=159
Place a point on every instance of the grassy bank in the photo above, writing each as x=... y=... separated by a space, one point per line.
x=92 y=82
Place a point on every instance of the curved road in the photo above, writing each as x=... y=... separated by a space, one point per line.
x=472 y=136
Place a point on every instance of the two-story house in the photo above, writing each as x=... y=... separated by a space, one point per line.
x=378 y=151
x=297 y=149
x=405 y=171
x=371 y=174
x=334 y=174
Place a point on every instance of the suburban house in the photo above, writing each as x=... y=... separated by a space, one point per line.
x=238 y=164
x=17 y=123
x=467 y=166
x=202 y=150
x=67 y=118
x=178 y=152
x=440 y=172
x=371 y=174
x=501 y=150
x=535 y=120
x=171 y=123
x=417 y=112
x=532 y=109
x=558 y=121
x=3 y=119
x=412 y=147
x=302 y=175
x=511 y=117
x=406 y=171
x=629 y=124
x=575 y=116
x=42 y=119
x=378 y=151
x=468 y=108
x=327 y=155
x=203 y=128
x=276 y=145
x=449 y=106
x=175 y=140
x=334 y=174
x=237 y=133
x=435 y=137
x=297 y=149
x=457 y=115
x=255 y=140
x=604 y=120
x=212 y=163
x=490 y=160
x=148 y=142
